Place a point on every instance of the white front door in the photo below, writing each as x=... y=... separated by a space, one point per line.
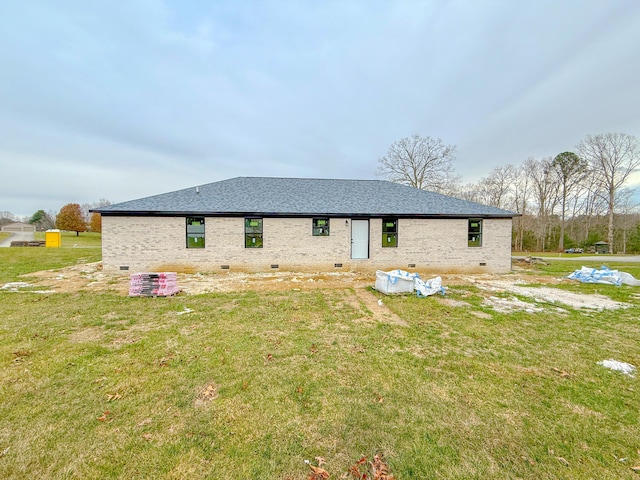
x=359 y=239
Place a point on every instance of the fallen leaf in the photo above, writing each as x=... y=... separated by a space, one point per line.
x=104 y=417
x=320 y=461
x=116 y=396
x=527 y=459
x=148 y=437
x=208 y=393
x=314 y=348
x=636 y=468
x=144 y=422
x=563 y=461
x=318 y=473
x=299 y=390
x=563 y=373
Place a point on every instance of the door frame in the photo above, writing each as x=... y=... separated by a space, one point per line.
x=368 y=240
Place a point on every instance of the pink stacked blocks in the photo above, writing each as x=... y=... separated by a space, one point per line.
x=157 y=284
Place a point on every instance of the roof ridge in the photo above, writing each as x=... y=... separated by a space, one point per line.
x=310 y=178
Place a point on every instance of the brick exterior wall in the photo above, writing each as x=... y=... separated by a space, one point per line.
x=438 y=245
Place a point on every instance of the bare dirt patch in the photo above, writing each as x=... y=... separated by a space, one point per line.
x=90 y=277
x=548 y=295
x=379 y=310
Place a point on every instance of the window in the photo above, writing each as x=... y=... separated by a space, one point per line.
x=320 y=227
x=389 y=232
x=253 y=233
x=195 y=232
x=475 y=233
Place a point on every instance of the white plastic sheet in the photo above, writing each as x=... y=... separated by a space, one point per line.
x=604 y=275
x=429 y=287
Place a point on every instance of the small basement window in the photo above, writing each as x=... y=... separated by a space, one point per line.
x=320 y=227
x=253 y=233
x=475 y=232
x=195 y=232
x=389 y=232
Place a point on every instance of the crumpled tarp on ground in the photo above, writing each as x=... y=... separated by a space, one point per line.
x=623 y=367
x=604 y=275
x=400 y=281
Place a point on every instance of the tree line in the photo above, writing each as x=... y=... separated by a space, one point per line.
x=72 y=217
x=573 y=199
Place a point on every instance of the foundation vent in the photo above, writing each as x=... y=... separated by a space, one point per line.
x=275 y=265
x=483 y=264
x=124 y=267
x=412 y=265
x=224 y=267
x=337 y=265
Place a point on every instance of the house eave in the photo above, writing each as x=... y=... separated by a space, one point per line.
x=191 y=213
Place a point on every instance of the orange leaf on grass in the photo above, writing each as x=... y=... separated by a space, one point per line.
x=318 y=473
x=104 y=417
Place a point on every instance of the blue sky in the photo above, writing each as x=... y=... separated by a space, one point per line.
x=124 y=99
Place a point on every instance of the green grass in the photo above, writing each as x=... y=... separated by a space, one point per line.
x=460 y=392
x=71 y=240
x=4 y=235
x=16 y=261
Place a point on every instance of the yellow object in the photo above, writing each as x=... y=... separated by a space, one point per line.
x=53 y=238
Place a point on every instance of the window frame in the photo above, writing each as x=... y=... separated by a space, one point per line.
x=254 y=232
x=389 y=232
x=195 y=233
x=320 y=230
x=473 y=242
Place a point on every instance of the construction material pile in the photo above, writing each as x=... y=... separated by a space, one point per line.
x=159 y=284
x=399 y=281
x=604 y=275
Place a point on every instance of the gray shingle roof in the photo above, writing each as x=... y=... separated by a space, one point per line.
x=266 y=196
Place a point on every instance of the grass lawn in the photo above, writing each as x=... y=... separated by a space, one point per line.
x=71 y=240
x=249 y=385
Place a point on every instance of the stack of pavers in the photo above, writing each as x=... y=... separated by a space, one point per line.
x=159 y=284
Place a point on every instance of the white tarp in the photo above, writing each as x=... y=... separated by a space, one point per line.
x=604 y=275
x=618 y=366
x=399 y=281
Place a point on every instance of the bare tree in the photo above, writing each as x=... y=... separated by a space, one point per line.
x=612 y=157
x=545 y=193
x=521 y=199
x=627 y=217
x=495 y=189
x=85 y=207
x=570 y=169
x=420 y=162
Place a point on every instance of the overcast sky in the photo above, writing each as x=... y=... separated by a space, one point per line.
x=125 y=99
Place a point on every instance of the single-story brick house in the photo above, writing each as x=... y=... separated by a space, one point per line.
x=263 y=223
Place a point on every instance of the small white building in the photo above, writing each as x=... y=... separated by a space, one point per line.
x=263 y=223
x=18 y=227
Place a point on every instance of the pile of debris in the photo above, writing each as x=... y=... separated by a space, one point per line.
x=30 y=243
x=160 y=284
